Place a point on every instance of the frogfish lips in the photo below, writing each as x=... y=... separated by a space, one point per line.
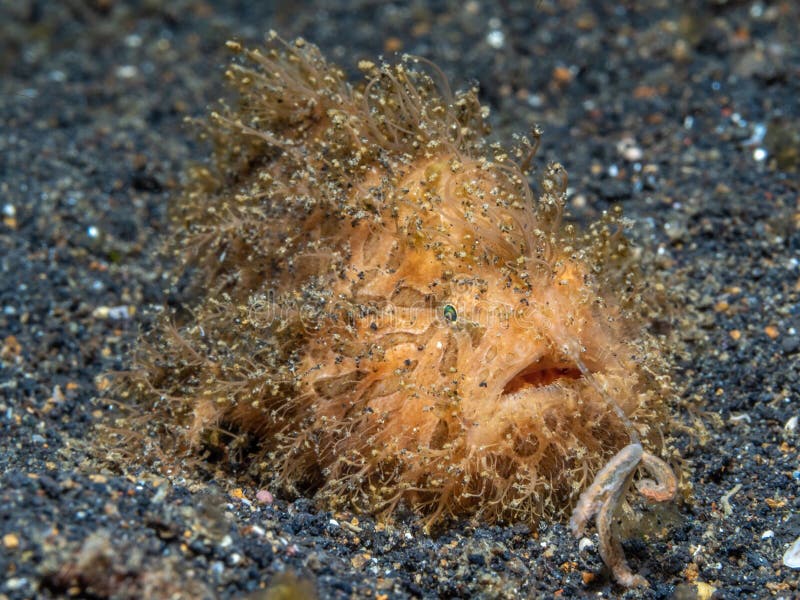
x=541 y=374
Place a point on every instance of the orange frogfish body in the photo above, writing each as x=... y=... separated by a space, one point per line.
x=385 y=312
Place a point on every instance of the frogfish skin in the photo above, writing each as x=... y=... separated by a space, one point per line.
x=379 y=309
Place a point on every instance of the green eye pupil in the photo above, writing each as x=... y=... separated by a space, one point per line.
x=450 y=314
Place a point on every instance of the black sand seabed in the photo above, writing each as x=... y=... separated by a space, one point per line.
x=686 y=116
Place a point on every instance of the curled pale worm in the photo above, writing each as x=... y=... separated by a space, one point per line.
x=603 y=497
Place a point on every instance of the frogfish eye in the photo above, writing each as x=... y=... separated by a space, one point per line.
x=450 y=314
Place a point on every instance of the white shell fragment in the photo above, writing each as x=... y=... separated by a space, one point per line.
x=741 y=418
x=791 y=424
x=791 y=558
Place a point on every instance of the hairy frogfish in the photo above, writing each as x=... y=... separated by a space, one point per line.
x=379 y=309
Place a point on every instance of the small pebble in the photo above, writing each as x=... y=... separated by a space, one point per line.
x=264 y=497
x=11 y=541
x=16 y=583
x=127 y=71
x=495 y=39
x=628 y=149
x=535 y=100
x=114 y=313
x=790 y=344
x=217 y=569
